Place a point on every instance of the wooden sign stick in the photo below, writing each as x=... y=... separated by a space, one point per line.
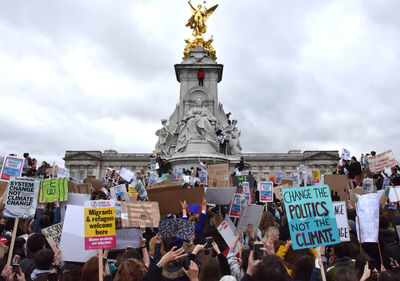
x=100 y=254
x=14 y=234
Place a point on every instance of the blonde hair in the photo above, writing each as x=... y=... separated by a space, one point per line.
x=270 y=233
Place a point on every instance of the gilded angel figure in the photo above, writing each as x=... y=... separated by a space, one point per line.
x=199 y=17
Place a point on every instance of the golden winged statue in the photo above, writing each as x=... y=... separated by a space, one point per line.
x=198 y=18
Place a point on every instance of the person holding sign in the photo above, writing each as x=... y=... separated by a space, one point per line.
x=43 y=219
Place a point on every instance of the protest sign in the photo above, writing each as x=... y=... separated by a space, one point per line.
x=341 y=220
x=228 y=232
x=127 y=175
x=21 y=198
x=266 y=191
x=339 y=186
x=316 y=176
x=278 y=178
x=251 y=215
x=119 y=193
x=62 y=173
x=368 y=185
x=176 y=228
x=246 y=188
x=220 y=196
x=345 y=154
x=203 y=177
x=100 y=224
x=135 y=212
x=310 y=216
x=394 y=194
x=132 y=191
x=239 y=201
x=12 y=167
x=129 y=237
x=367 y=209
x=179 y=173
x=51 y=188
x=73 y=233
x=53 y=235
x=218 y=175
x=140 y=189
x=278 y=192
x=169 y=197
x=381 y=161
x=238 y=182
x=153 y=179
x=76 y=199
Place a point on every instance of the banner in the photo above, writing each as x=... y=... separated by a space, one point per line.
x=12 y=167
x=266 y=191
x=239 y=201
x=100 y=224
x=51 y=188
x=218 y=175
x=53 y=235
x=367 y=210
x=21 y=199
x=132 y=213
x=310 y=216
x=176 y=228
x=251 y=215
x=220 y=196
x=341 y=220
x=381 y=161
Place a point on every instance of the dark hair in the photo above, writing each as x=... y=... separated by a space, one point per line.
x=128 y=254
x=388 y=276
x=44 y=221
x=346 y=274
x=130 y=269
x=90 y=270
x=341 y=250
x=44 y=259
x=302 y=267
x=245 y=259
x=35 y=242
x=26 y=154
x=271 y=269
x=69 y=272
x=210 y=270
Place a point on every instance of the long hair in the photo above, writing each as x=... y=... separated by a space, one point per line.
x=210 y=270
x=131 y=269
x=90 y=271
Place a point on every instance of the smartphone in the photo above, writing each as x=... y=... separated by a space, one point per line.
x=15 y=268
x=185 y=262
x=258 y=253
x=209 y=241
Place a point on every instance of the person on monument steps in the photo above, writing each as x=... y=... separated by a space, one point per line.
x=200 y=76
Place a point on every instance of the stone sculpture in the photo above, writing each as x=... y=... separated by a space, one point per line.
x=164 y=138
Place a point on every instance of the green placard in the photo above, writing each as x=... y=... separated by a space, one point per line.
x=51 y=188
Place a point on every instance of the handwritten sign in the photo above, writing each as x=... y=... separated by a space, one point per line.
x=53 y=235
x=238 y=182
x=100 y=224
x=341 y=220
x=51 y=188
x=382 y=161
x=21 y=198
x=266 y=191
x=310 y=216
x=12 y=167
x=218 y=175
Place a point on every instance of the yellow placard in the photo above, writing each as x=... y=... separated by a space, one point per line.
x=99 y=222
x=132 y=191
x=315 y=174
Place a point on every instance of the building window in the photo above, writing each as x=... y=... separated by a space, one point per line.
x=81 y=175
x=72 y=174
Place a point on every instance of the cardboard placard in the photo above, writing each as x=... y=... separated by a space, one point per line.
x=12 y=167
x=220 y=196
x=100 y=224
x=289 y=183
x=341 y=220
x=95 y=183
x=382 y=161
x=176 y=228
x=73 y=233
x=266 y=191
x=51 y=188
x=132 y=213
x=21 y=198
x=53 y=235
x=251 y=215
x=84 y=188
x=311 y=217
x=218 y=175
x=169 y=197
x=339 y=186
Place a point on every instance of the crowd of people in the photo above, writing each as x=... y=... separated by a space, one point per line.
x=206 y=256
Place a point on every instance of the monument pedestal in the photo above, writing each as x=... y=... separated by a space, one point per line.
x=191 y=159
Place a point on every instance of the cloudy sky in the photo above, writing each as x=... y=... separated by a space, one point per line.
x=95 y=75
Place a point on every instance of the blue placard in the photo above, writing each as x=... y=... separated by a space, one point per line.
x=311 y=218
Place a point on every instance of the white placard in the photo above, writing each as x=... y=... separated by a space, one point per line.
x=228 y=231
x=126 y=174
x=341 y=219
